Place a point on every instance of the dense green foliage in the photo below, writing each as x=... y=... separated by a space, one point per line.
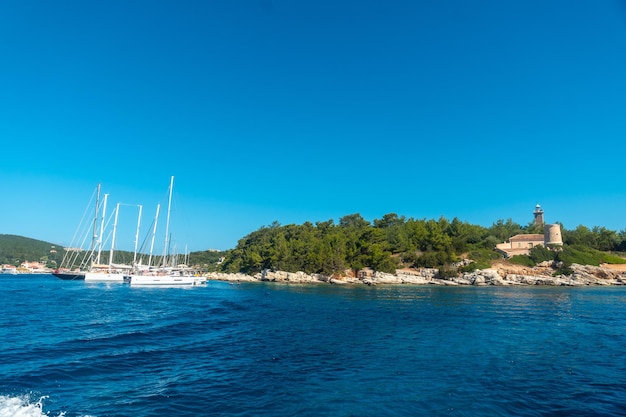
x=395 y=241
x=354 y=243
x=17 y=249
x=207 y=260
x=523 y=260
x=566 y=256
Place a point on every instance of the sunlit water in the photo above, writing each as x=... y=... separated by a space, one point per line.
x=76 y=349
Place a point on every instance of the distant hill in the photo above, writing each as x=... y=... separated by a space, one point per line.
x=16 y=249
x=207 y=260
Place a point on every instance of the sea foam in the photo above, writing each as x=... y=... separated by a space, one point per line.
x=23 y=406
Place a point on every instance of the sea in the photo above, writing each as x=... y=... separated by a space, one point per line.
x=70 y=348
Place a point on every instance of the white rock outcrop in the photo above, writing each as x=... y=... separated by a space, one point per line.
x=542 y=275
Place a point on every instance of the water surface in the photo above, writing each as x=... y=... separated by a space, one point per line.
x=75 y=349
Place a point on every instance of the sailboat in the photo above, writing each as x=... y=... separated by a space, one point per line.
x=110 y=272
x=79 y=264
x=76 y=261
x=164 y=275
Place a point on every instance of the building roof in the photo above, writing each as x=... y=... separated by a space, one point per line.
x=526 y=238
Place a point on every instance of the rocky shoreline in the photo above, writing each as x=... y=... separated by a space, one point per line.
x=498 y=275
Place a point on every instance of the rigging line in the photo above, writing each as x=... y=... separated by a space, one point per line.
x=80 y=230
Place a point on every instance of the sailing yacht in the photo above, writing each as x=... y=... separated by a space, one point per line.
x=163 y=275
x=110 y=272
x=74 y=266
x=79 y=264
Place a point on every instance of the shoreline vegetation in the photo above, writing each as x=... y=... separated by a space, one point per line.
x=397 y=250
x=390 y=250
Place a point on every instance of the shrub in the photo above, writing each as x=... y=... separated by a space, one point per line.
x=540 y=254
x=610 y=258
x=579 y=255
x=484 y=255
x=433 y=259
x=474 y=265
x=524 y=260
x=563 y=270
x=446 y=272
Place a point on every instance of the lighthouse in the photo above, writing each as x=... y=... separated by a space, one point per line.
x=538 y=215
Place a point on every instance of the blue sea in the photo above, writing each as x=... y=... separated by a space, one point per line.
x=68 y=348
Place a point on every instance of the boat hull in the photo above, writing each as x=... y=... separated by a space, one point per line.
x=70 y=276
x=164 y=281
x=103 y=277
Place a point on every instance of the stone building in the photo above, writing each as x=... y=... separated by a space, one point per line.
x=522 y=244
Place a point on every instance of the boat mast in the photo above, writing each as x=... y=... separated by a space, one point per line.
x=156 y=219
x=117 y=211
x=95 y=225
x=167 y=224
x=137 y=235
x=104 y=210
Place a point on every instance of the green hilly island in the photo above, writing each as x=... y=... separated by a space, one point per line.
x=354 y=243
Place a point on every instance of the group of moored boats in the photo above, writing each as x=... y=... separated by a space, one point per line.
x=152 y=278
x=90 y=270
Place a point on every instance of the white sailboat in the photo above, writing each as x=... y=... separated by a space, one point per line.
x=99 y=272
x=76 y=260
x=164 y=275
x=110 y=272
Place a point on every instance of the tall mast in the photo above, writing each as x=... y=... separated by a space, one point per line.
x=95 y=224
x=137 y=235
x=117 y=211
x=156 y=219
x=104 y=210
x=167 y=224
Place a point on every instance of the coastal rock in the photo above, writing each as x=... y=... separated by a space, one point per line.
x=220 y=276
x=517 y=279
x=404 y=277
x=499 y=275
x=596 y=271
x=295 y=277
x=481 y=277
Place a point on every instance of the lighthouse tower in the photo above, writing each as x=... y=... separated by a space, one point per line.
x=538 y=215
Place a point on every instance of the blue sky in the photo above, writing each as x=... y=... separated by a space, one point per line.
x=293 y=111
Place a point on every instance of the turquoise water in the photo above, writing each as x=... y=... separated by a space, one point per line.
x=74 y=349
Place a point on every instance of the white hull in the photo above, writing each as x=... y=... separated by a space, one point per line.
x=165 y=280
x=103 y=277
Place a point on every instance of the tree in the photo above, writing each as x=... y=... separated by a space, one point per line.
x=502 y=230
x=354 y=221
x=389 y=220
x=606 y=240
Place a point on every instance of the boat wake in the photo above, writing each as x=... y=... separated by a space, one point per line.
x=23 y=406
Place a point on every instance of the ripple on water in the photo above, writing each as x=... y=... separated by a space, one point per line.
x=265 y=350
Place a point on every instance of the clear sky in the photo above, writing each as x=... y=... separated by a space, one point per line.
x=294 y=111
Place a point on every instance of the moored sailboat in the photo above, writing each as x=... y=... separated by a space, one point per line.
x=74 y=266
x=164 y=275
x=111 y=272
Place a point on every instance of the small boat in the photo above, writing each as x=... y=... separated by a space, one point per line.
x=8 y=269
